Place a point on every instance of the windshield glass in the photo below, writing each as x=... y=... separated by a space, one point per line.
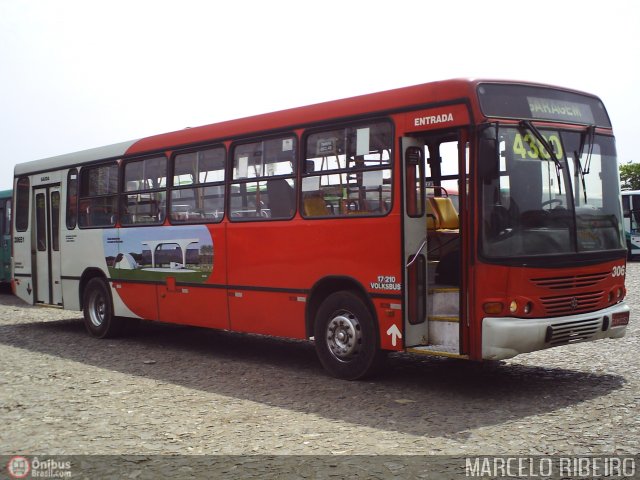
x=533 y=205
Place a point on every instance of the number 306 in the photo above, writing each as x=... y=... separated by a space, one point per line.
x=618 y=271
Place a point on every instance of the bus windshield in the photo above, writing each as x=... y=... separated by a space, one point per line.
x=537 y=203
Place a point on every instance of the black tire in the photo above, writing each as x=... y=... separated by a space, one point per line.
x=98 y=310
x=346 y=337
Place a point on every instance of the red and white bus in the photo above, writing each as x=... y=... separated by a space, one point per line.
x=324 y=222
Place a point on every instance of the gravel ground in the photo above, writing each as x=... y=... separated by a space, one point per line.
x=177 y=390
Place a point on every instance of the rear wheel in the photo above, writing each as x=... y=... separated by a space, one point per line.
x=346 y=337
x=98 y=310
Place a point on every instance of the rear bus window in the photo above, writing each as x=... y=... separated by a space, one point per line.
x=348 y=171
x=98 y=194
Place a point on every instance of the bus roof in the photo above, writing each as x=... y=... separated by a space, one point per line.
x=379 y=103
x=64 y=161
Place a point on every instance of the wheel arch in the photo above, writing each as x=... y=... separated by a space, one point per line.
x=87 y=275
x=329 y=285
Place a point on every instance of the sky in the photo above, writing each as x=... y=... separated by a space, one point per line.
x=84 y=74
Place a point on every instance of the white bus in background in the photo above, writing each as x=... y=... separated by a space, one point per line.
x=631 y=211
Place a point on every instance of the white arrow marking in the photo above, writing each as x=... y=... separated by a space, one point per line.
x=394 y=331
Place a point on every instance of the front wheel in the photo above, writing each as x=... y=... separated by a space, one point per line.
x=346 y=337
x=98 y=310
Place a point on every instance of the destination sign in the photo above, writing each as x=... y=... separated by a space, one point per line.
x=551 y=109
x=529 y=102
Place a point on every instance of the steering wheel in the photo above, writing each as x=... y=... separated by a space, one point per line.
x=552 y=201
x=504 y=234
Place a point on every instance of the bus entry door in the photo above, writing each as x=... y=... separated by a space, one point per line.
x=416 y=328
x=47 y=243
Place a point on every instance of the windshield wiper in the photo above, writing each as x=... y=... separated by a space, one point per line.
x=547 y=146
x=587 y=137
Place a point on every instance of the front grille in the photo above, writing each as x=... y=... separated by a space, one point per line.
x=570 y=304
x=572 y=331
x=573 y=281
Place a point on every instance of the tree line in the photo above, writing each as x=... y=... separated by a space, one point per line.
x=630 y=176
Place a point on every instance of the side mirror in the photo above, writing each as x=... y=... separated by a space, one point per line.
x=488 y=154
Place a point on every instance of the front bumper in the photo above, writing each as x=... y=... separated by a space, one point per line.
x=507 y=337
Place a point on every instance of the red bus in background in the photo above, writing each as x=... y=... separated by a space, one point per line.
x=331 y=222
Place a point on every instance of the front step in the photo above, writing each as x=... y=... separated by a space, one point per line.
x=444 y=318
x=438 y=350
x=444 y=301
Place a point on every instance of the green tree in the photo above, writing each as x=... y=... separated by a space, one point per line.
x=630 y=176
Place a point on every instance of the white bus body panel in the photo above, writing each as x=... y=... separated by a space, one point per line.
x=82 y=249
x=21 y=264
x=507 y=337
x=79 y=249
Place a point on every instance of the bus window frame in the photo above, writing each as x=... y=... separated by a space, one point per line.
x=171 y=187
x=355 y=124
x=116 y=194
x=22 y=213
x=123 y=192
x=294 y=175
x=54 y=212
x=72 y=225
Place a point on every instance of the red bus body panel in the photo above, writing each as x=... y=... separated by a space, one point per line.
x=265 y=272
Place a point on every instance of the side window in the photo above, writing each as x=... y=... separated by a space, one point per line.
x=144 y=198
x=263 y=182
x=7 y=215
x=22 y=204
x=414 y=199
x=72 y=199
x=348 y=171
x=55 y=221
x=5 y=222
x=197 y=195
x=4 y=226
x=635 y=210
x=626 y=206
x=41 y=222
x=443 y=169
x=98 y=195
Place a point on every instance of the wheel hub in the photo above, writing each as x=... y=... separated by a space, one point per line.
x=344 y=336
x=97 y=310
